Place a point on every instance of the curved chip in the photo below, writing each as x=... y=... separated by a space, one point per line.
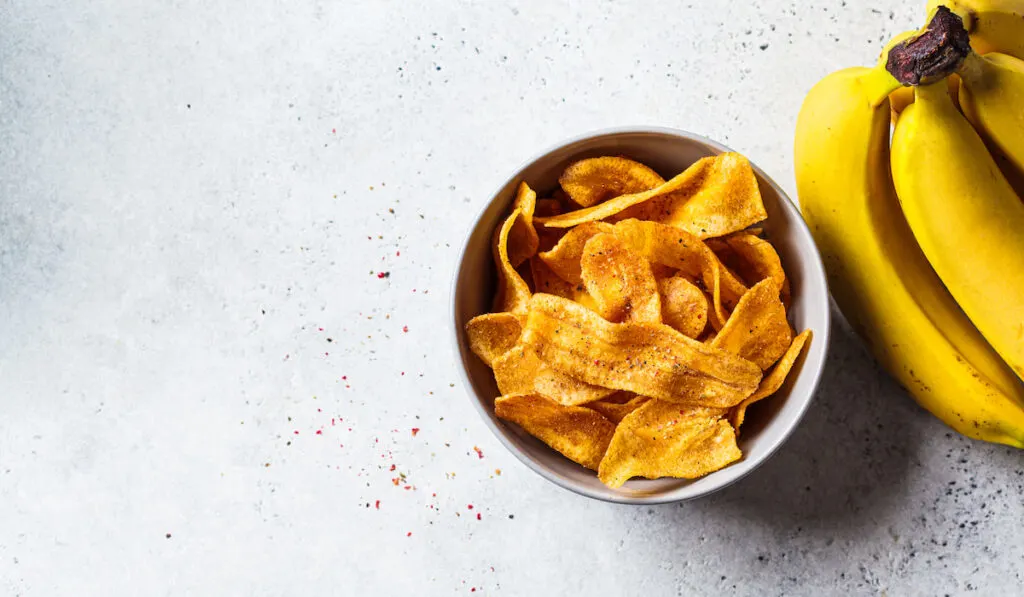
x=591 y=181
x=513 y=294
x=755 y=259
x=564 y=258
x=772 y=381
x=619 y=280
x=715 y=196
x=548 y=282
x=492 y=335
x=650 y=359
x=757 y=330
x=522 y=238
x=578 y=433
x=681 y=250
x=683 y=306
x=520 y=371
x=660 y=439
x=614 y=408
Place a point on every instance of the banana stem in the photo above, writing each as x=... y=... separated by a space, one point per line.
x=934 y=54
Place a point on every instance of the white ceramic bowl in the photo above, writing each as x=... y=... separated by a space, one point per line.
x=768 y=424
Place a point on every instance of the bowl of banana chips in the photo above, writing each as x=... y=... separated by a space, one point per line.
x=641 y=314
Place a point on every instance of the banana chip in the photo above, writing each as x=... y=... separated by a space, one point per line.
x=492 y=335
x=772 y=381
x=616 y=407
x=520 y=371
x=591 y=181
x=580 y=434
x=681 y=250
x=683 y=306
x=522 y=238
x=624 y=334
x=513 y=293
x=660 y=439
x=564 y=258
x=649 y=359
x=619 y=280
x=757 y=330
x=715 y=196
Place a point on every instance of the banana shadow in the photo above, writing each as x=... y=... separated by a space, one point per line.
x=849 y=457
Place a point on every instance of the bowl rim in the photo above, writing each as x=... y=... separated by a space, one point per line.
x=467 y=385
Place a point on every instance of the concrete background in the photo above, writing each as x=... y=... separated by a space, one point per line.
x=205 y=384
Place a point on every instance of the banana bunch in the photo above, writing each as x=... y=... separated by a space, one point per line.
x=921 y=226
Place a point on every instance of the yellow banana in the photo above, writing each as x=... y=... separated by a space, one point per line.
x=994 y=25
x=878 y=275
x=992 y=99
x=965 y=216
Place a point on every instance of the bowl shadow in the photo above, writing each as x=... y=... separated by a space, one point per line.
x=850 y=455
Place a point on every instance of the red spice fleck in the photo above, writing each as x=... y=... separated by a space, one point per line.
x=344 y=377
x=472 y=589
x=597 y=362
x=478 y=516
x=319 y=432
x=403 y=373
x=407 y=487
x=409 y=534
x=296 y=432
x=392 y=468
x=320 y=329
x=405 y=328
x=415 y=430
x=433 y=494
x=479 y=452
x=396 y=481
x=377 y=504
x=334 y=131
x=470 y=506
x=398 y=253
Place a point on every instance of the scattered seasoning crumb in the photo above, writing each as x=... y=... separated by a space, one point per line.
x=296 y=432
x=168 y=536
x=383 y=274
x=469 y=506
x=405 y=328
x=511 y=516
x=409 y=534
x=478 y=516
x=479 y=452
x=392 y=468
x=377 y=504
x=319 y=432
x=415 y=430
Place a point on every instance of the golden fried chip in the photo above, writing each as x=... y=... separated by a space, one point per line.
x=620 y=281
x=580 y=434
x=757 y=330
x=772 y=381
x=616 y=407
x=513 y=293
x=520 y=371
x=546 y=208
x=755 y=259
x=681 y=250
x=548 y=282
x=660 y=439
x=591 y=181
x=564 y=258
x=683 y=306
x=522 y=238
x=715 y=196
x=492 y=335
x=650 y=359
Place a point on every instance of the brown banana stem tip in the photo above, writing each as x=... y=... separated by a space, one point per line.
x=932 y=55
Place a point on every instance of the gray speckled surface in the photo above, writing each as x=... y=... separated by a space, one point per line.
x=195 y=204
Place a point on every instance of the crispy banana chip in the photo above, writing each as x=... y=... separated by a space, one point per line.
x=681 y=250
x=772 y=381
x=715 y=196
x=547 y=207
x=591 y=181
x=580 y=434
x=620 y=281
x=683 y=306
x=547 y=281
x=660 y=439
x=520 y=371
x=616 y=407
x=650 y=359
x=754 y=259
x=513 y=293
x=522 y=238
x=757 y=330
x=492 y=335
x=564 y=258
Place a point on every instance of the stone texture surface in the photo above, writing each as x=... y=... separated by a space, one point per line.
x=226 y=239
